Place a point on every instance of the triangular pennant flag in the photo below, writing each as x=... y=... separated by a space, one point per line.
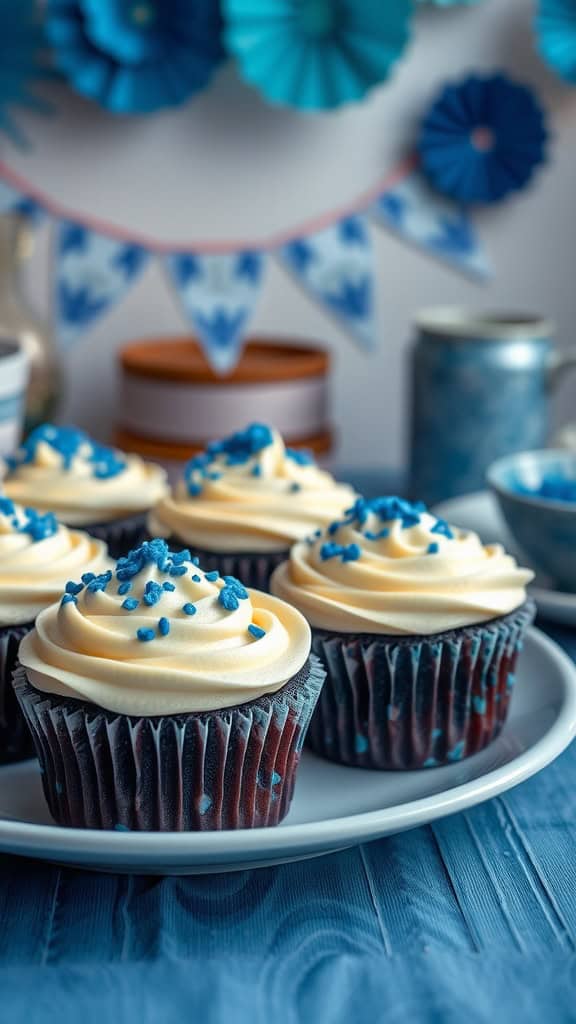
x=92 y=273
x=336 y=267
x=219 y=292
x=412 y=210
x=11 y=200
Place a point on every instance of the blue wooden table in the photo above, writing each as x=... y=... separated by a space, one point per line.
x=472 y=919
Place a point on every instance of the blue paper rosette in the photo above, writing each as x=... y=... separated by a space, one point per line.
x=556 y=33
x=482 y=139
x=135 y=56
x=316 y=54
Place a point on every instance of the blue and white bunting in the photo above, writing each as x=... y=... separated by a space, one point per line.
x=92 y=274
x=412 y=210
x=13 y=201
x=336 y=267
x=218 y=292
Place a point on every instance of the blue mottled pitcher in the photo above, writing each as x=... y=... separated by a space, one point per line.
x=481 y=388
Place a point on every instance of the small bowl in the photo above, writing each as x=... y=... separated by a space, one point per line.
x=543 y=525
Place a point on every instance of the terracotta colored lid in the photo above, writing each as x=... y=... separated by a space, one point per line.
x=320 y=444
x=181 y=359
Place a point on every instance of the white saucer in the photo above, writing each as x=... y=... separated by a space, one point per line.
x=334 y=807
x=480 y=512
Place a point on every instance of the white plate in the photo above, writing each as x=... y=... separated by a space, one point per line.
x=334 y=807
x=480 y=512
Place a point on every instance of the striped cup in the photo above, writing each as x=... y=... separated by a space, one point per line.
x=13 y=383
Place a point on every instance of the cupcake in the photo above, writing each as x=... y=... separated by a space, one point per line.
x=419 y=626
x=85 y=484
x=245 y=500
x=163 y=697
x=37 y=556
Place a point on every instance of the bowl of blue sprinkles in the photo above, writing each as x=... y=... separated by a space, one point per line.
x=536 y=492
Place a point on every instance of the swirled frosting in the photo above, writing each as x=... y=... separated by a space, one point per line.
x=37 y=556
x=160 y=636
x=62 y=470
x=393 y=568
x=249 y=492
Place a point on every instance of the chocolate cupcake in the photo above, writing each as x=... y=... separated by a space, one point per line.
x=162 y=697
x=419 y=626
x=85 y=484
x=244 y=502
x=37 y=556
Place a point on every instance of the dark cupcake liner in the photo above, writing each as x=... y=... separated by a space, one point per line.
x=397 y=703
x=227 y=769
x=15 y=738
x=253 y=569
x=121 y=535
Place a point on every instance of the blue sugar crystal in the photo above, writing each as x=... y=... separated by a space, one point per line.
x=73 y=588
x=130 y=604
x=229 y=599
x=87 y=577
x=256 y=631
x=442 y=529
x=177 y=570
x=384 y=532
x=168 y=586
x=212 y=576
x=196 y=578
x=276 y=778
x=458 y=752
x=256 y=470
x=7 y=507
x=479 y=704
x=189 y=608
x=295 y=487
x=69 y=599
x=195 y=560
x=347 y=552
x=179 y=557
x=99 y=582
x=238 y=587
x=360 y=744
x=163 y=626
x=433 y=548
x=69 y=442
x=145 y=634
x=124 y=588
x=301 y=456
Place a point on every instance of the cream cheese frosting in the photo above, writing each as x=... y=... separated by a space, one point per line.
x=37 y=556
x=249 y=492
x=61 y=470
x=390 y=567
x=159 y=636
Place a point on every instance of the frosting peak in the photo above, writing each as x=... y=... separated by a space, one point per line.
x=157 y=635
x=37 y=555
x=248 y=492
x=82 y=481
x=391 y=567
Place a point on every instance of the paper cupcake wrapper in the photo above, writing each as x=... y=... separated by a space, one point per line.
x=400 y=703
x=121 y=535
x=227 y=769
x=15 y=739
x=253 y=569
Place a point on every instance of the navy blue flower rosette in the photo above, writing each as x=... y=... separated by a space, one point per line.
x=135 y=56
x=482 y=139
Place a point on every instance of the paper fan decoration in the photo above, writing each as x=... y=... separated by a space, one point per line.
x=135 y=56
x=556 y=31
x=316 y=54
x=21 y=42
x=482 y=138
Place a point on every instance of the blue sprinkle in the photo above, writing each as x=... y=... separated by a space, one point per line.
x=196 y=578
x=130 y=604
x=360 y=744
x=145 y=633
x=430 y=763
x=317 y=533
x=121 y=828
x=347 y=552
x=276 y=778
x=301 y=456
x=194 y=488
x=99 y=582
x=511 y=681
x=433 y=548
x=238 y=588
x=73 y=588
x=68 y=599
x=205 y=803
x=213 y=475
x=195 y=560
x=295 y=487
x=163 y=626
x=458 y=752
x=189 y=608
x=152 y=593
x=124 y=588
x=179 y=557
x=332 y=529
x=168 y=586
x=177 y=570
x=256 y=470
x=442 y=529
x=212 y=576
x=228 y=599
x=256 y=631
x=479 y=704
x=384 y=532
x=436 y=734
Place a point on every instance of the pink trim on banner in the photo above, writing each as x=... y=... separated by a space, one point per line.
x=61 y=212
